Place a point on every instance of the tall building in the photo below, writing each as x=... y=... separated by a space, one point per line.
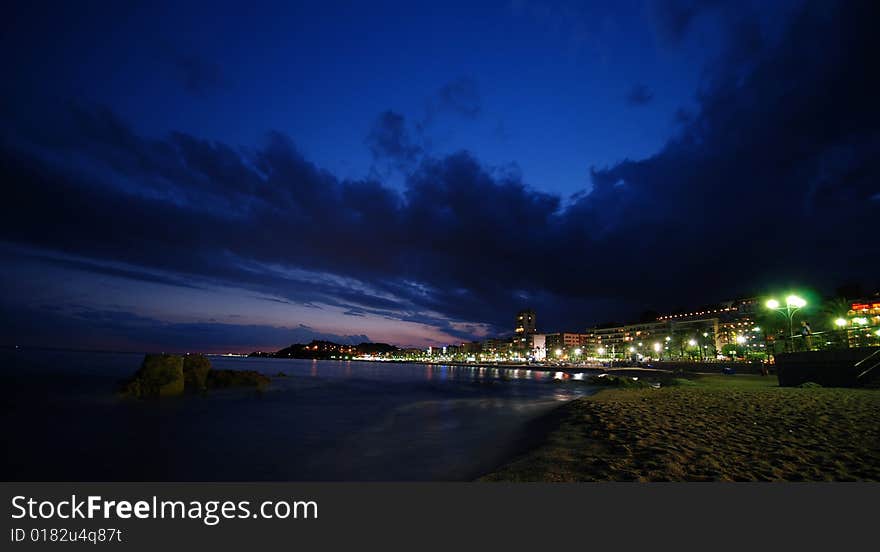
x=525 y=323
x=524 y=329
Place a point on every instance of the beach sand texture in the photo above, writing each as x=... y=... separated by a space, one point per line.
x=727 y=428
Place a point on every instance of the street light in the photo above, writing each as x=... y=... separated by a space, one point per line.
x=840 y=323
x=793 y=303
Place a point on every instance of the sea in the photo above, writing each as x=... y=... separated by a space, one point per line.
x=324 y=420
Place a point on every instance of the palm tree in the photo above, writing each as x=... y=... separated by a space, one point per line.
x=836 y=308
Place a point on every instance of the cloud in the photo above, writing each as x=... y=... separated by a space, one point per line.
x=762 y=185
x=674 y=18
x=461 y=96
x=639 y=95
x=389 y=139
x=92 y=328
x=199 y=76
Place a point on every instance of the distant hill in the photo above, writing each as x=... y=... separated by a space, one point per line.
x=320 y=349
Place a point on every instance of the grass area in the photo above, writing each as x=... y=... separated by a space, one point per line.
x=710 y=428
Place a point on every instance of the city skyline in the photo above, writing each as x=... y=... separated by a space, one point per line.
x=186 y=183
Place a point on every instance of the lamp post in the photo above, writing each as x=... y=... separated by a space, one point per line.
x=793 y=303
x=841 y=324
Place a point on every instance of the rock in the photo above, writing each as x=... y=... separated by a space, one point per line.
x=195 y=372
x=159 y=376
x=219 y=379
x=616 y=381
x=169 y=375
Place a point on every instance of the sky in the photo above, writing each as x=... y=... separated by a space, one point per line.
x=243 y=176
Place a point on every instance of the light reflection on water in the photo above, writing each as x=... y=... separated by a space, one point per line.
x=325 y=420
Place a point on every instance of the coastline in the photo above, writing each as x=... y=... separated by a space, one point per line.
x=635 y=371
x=714 y=428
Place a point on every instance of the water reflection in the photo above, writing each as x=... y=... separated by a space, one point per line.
x=327 y=420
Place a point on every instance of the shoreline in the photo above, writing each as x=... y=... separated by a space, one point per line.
x=570 y=369
x=715 y=428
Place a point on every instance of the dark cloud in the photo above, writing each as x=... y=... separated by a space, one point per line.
x=639 y=95
x=91 y=328
x=674 y=18
x=389 y=139
x=461 y=96
x=199 y=76
x=763 y=185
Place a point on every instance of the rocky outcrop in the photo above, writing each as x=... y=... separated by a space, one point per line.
x=195 y=372
x=158 y=376
x=221 y=379
x=162 y=375
x=616 y=381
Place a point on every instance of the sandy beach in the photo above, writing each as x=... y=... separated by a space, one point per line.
x=709 y=428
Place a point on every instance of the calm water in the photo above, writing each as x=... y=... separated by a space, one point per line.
x=328 y=420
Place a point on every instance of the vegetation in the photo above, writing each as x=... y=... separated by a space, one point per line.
x=320 y=349
x=195 y=372
x=728 y=428
x=158 y=376
x=219 y=379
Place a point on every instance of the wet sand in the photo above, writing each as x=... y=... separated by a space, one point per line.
x=714 y=428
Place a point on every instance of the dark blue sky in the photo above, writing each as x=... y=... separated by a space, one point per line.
x=245 y=175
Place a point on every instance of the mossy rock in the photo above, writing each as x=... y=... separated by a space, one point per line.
x=221 y=379
x=195 y=372
x=158 y=376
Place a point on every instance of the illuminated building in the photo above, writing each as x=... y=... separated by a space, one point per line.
x=525 y=323
x=524 y=327
x=725 y=321
x=866 y=308
x=564 y=341
x=539 y=346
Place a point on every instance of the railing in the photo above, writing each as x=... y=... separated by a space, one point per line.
x=867 y=358
x=862 y=336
